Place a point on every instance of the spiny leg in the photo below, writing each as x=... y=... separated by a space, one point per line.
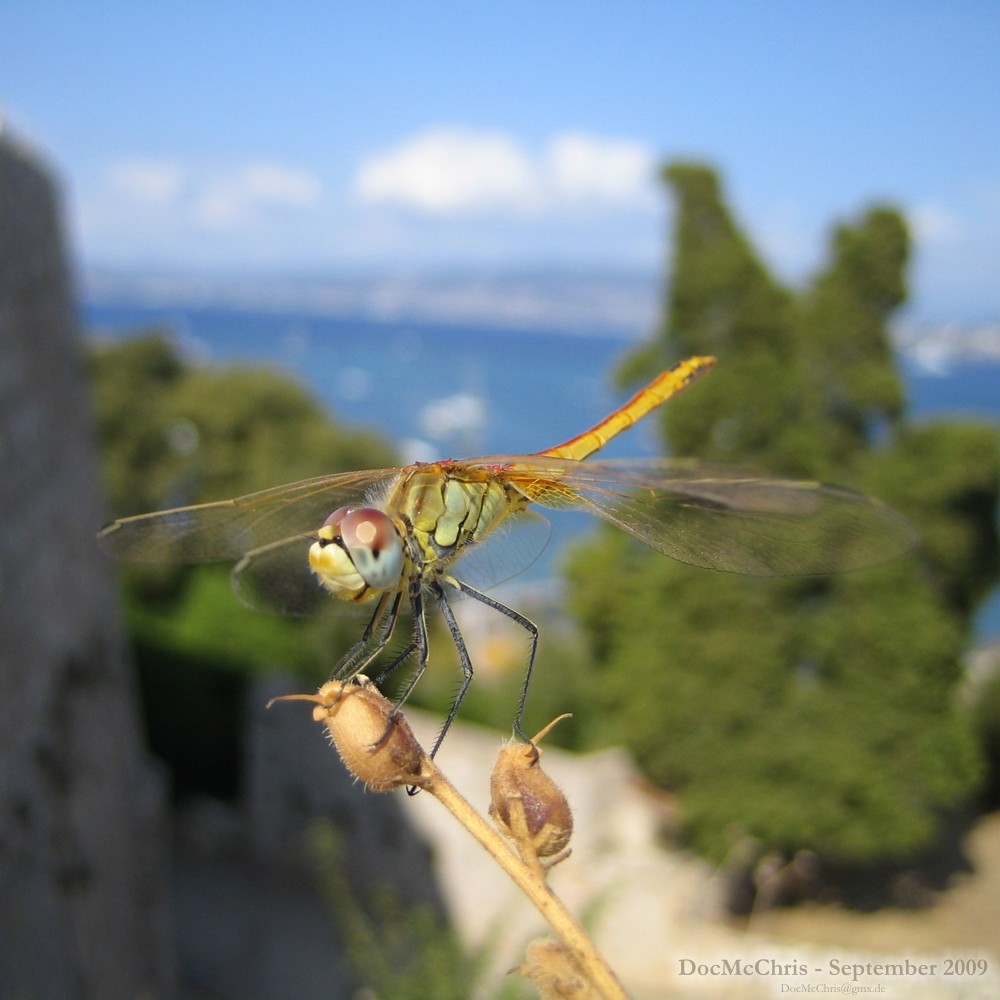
x=349 y=664
x=420 y=643
x=526 y=623
x=393 y=664
x=464 y=660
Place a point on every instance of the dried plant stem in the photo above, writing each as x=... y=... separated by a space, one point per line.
x=529 y=878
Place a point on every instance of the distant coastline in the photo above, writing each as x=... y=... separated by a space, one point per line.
x=586 y=302
x=937 y=348
x=607 y=303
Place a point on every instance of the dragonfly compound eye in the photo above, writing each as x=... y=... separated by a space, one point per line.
x=374 y=546
x=333 y=521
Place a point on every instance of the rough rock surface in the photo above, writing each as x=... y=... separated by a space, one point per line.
x=82 y=854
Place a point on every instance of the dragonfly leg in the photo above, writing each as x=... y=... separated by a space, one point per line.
x=515 y=616
x=364 y=651
x=420 y=643
x=463 y=658
x=393 y=664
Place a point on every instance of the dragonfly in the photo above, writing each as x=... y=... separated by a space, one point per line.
x=388 y=539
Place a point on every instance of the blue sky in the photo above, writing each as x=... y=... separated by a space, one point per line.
x=412 y=135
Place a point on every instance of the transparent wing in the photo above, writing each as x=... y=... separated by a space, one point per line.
x=278 y=578
x=508 y=550
x=268 y=534
x=691 y=512
x=228 y=529
x=720 y=520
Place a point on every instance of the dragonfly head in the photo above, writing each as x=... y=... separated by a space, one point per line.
x=358 y=553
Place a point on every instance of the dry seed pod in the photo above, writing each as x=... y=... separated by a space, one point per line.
x=377 y=747
x=551 y=967
x=518 y=777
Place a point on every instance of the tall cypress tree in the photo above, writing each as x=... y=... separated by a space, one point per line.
x=807 y=714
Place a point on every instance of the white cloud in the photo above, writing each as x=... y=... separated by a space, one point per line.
x=582 y=167
x=236 y=197
x=147 y=182
x=213 y=198
x=933 y=222
x=446 y=170
x=453 y=171
x=280 y=185
x=467 y=196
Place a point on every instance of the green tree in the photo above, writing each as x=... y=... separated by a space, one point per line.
x=849 y=369
x=808 y=714
x=722 y=301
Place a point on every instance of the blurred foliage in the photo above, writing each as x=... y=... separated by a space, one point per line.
x=398 y=951
x=810 y=713
x=173 y=434
x=395 y=950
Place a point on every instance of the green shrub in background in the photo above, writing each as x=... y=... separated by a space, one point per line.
x=811 y=714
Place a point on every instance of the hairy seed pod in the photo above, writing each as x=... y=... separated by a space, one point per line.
x=547 y=819
x=555 y=973
x=376 y=746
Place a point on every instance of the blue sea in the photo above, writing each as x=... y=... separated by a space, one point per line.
x=456 y=391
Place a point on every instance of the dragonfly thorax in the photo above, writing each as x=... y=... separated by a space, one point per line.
x=358 y=553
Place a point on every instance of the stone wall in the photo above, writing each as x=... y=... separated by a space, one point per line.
x=82 y=832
